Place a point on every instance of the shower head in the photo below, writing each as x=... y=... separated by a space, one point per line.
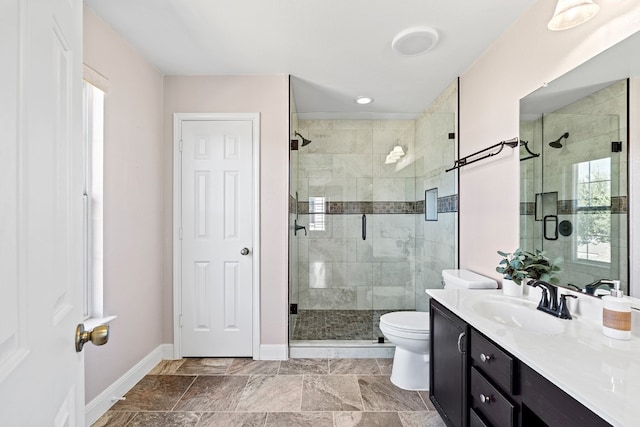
x=557 y=143
x=305 y=141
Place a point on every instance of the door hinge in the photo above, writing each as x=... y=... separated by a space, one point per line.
x=180 y=146
x=180 y=320
x=180 y=233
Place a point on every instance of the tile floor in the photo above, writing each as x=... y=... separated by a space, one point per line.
x=337 y=324
x=297 y=392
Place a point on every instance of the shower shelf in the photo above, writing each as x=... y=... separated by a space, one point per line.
x=467 y=160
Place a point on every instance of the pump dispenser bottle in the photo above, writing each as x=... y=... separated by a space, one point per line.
x=616 y=314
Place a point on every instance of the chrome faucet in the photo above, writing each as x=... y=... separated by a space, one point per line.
x=549 y=301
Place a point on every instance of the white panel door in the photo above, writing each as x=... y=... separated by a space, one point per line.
x=217 y=230
x=41 y=375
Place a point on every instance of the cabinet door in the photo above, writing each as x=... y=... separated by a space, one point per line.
x=448 y=368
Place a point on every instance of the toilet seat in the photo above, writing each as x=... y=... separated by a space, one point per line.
x=412 y=322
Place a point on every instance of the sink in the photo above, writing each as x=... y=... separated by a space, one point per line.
x=518 y=314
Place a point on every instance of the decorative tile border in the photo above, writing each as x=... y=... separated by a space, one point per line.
x=527 y=208
x=445 y=205
x=619 y=205
x=448 y=204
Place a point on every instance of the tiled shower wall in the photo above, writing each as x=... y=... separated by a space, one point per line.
x=592 y=122
x=345 y=165
x=403 y=254
x=436 y=241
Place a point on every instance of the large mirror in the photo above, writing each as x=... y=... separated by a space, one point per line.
x=574 y=200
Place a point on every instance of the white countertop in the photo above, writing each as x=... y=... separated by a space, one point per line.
x=600 y=372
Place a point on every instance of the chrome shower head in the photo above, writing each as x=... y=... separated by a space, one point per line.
x=305 y=141
x=557 y=143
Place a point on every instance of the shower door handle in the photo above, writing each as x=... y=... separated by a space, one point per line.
x=364 y=227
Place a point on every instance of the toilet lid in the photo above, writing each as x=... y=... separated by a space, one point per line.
x=417 y=321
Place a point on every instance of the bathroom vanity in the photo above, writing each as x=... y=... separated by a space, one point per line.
x=497 y=361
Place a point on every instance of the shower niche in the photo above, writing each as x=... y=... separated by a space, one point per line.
x=369 y=247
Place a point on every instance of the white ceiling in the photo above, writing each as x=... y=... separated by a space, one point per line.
x=334 y=50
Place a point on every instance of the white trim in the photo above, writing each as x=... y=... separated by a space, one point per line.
x=332 y=349
x=274 y=352
x=633 y=188
x=178 y=118
x=105 y=400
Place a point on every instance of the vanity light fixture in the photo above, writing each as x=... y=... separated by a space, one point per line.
x=364 y=100
x=394 y=155
x=571 y=13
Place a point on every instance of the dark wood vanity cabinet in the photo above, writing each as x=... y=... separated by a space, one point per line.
x=474 y=382
x=448 y=352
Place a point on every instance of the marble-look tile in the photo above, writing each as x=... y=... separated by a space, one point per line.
x=167 y=367
x=421 y=419
x=205 y=366
x=331 y=393
x=232 y=419
x=299 y=419
x=272 y=393
x=425 y=397
x=386 y=365
x=213 y=393
x=164 y=419
x=155 y=393
x=354 y=366
x=304 y=366
x=114 y=419
x=339 y=298
x=253 y=367
x=379 y=394
x=367 y=419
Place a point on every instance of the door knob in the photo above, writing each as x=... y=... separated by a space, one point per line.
x=244 y=251
x=98 y=336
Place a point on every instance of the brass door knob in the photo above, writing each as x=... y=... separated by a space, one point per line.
x=98 y=336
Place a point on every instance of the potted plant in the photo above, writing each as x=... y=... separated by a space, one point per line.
x=521 y=265
x=539 y=267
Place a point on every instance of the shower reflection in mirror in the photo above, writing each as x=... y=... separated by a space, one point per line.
x=573 y=197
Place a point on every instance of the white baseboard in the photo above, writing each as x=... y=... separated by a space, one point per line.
x=274 y=352
x=105 y=400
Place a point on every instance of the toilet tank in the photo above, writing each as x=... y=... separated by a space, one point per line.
x=465 y=279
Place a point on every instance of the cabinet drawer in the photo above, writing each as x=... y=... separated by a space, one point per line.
x=493 y=362
x=475 y=420
x=488 y=401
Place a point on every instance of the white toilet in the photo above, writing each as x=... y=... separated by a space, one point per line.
x=409 y=331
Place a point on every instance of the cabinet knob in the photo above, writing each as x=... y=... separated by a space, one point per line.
x=485 y=357
x=485 y=399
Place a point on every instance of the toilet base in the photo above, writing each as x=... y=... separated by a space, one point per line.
x=410 y=370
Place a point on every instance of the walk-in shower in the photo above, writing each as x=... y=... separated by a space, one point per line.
x=369 y=247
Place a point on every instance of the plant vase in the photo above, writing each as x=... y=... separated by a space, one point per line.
x=511 y=288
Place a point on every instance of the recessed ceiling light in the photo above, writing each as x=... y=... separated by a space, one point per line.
x=364 y=100
x=415 y=41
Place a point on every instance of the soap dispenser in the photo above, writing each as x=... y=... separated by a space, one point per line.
x=616 y=314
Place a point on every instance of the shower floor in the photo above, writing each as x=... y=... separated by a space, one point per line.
x=337 y=324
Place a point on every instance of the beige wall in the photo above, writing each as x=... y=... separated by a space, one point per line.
x=133 y=230
x=269 y=96
x=519 y=62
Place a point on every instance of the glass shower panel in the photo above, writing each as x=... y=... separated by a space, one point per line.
x=335 y=276
x=360 y=195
